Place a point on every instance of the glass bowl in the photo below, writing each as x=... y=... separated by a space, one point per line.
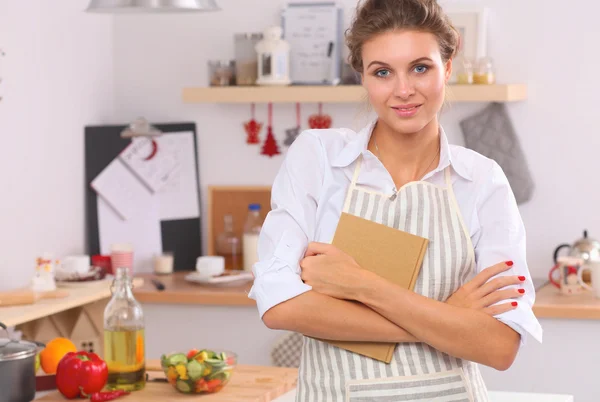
x=199 y=371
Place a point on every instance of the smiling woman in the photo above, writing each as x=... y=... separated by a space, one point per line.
x=472 y=300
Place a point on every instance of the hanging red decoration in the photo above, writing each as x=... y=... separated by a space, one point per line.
x=270 y=147
x=252 y=128
x=319 y=120
x=292 y=133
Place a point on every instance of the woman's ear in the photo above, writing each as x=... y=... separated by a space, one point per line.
x=448 y=72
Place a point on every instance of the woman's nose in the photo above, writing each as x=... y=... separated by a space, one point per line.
x=404 y=88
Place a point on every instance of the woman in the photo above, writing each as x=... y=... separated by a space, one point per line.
x=472 y=301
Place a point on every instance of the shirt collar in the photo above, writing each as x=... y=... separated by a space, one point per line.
x=358 y=146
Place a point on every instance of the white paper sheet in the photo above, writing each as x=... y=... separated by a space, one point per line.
x=154 y=167
x=121 y=190
x=179 y=197
x=141 y=230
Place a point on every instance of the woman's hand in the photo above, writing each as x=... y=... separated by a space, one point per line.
x=330 y=271
x=480 y=294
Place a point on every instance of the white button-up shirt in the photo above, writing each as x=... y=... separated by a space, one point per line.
x=308 y=196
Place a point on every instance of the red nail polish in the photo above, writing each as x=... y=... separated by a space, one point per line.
x=522 y=278
x=514 y=304
x=509 y=263
x=521 y=291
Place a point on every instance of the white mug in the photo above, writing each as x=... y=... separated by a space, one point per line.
x=594 y=267
x=78 y=264
x=210 y=265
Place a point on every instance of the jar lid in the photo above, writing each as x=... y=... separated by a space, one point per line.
x=15 y=350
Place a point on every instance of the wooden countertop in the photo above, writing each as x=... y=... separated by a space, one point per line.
x=16 y=315
x=550 y=303
x=247 y=384
x=78 y=296
x=179 y=291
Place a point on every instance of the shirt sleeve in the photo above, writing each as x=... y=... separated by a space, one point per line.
x=501 y=237
x=290 y=224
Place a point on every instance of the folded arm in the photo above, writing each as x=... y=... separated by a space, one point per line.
x=284 y=301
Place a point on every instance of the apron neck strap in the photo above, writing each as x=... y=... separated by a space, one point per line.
x=353 y=183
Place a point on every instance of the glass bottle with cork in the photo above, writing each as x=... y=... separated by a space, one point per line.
x=229 y=245
x=252 y=229
x=124 y=343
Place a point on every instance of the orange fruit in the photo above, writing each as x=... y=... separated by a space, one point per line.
x=54 y=351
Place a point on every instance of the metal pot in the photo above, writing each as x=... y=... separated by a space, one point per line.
x=17 y=369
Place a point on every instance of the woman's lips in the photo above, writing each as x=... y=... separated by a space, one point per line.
x=406 y=110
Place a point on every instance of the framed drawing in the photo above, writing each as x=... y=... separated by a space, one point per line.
x=472 y=27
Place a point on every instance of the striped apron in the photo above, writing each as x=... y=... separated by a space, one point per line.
x=417 y=372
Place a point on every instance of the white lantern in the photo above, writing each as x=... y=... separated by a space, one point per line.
x=273 y=58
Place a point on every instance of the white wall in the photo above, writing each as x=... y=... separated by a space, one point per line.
x=57 y=77
x=544 y=44
x=541 y=43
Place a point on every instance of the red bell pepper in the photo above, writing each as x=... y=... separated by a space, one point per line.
x=80 y=374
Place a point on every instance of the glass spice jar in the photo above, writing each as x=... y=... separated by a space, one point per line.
x=246 y=58
x=221 y=73
x=485 y=73
x=463 y=70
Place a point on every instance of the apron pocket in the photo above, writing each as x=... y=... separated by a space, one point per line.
x=447 y=386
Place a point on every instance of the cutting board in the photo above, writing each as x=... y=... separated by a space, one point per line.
x=21 y=297
x=247 y=384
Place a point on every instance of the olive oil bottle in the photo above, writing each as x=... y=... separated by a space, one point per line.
x=124 y=350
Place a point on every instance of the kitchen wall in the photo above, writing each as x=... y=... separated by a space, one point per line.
x=536 y=42
x=57 y=77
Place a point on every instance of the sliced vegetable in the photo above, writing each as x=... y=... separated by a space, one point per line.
x=215 y=362
x=176 y=359
x=195 y=369
x=192 y=353
x=183 y=386
x=182 y=371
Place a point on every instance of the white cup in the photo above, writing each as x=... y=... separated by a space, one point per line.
x=594 y=268
x=211 y=265
x=76 y=264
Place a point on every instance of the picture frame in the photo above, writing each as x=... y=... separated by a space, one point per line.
x=472 y=27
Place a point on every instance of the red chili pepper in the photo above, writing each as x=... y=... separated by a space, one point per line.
x=107 y=396
x=80 y=373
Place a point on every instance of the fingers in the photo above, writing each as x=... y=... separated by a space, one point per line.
x=315 y=248
x=500 y=295
x=497 y=283
x=501 y=308
x=481 y=278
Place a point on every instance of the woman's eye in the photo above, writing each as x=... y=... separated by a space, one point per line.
x=421 y=69
x=382 y=73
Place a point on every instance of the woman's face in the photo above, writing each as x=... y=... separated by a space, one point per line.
x=405 y=78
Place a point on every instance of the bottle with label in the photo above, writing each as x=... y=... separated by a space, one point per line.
x=229 y=245
x=124 y=341
x=250 y=239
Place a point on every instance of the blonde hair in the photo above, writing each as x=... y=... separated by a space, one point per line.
x=374 y=17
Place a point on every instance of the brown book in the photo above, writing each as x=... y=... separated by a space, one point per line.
x=390 y=253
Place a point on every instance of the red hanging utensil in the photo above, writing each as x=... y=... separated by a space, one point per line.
x=319 y=120
x=252 y=128
x=270 y=147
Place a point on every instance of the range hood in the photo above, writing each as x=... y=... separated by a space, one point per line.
x=151 y=6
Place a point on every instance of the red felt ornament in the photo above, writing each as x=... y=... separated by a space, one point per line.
x=270 y=147
x=319 y=120
x=252 y=128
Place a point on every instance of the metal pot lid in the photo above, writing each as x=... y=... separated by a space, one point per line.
x=15 y=350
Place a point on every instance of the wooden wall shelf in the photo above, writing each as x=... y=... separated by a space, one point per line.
x=342 y=94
